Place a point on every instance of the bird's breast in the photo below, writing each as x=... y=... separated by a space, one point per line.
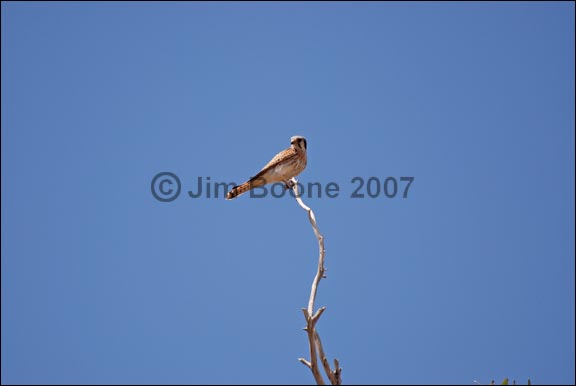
x=287 y=169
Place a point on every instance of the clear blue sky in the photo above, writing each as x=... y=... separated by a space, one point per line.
x=471 y=277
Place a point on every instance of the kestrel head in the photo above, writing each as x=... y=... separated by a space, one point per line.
x=298 y=142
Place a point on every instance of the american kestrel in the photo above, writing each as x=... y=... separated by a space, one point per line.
x=284 y=166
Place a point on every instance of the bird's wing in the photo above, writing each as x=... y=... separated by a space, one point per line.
x=282 y=156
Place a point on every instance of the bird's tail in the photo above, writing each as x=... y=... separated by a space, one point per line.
x=250 y=184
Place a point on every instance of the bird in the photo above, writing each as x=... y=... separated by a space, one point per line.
x=282 y=168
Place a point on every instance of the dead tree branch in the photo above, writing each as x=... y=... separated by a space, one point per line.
x=314 y=341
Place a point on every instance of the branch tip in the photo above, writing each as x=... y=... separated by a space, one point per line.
x=305 y=362
x=318 y=313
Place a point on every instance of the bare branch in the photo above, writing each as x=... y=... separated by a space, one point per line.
x=325 y=363
x=337 y=372
x=313 y=364
x=321 y=269
x=313 y=357
x=317 y=315
x=304 y=361
x=311 y=317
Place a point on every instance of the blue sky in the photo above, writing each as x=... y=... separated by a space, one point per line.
x=471 y=277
